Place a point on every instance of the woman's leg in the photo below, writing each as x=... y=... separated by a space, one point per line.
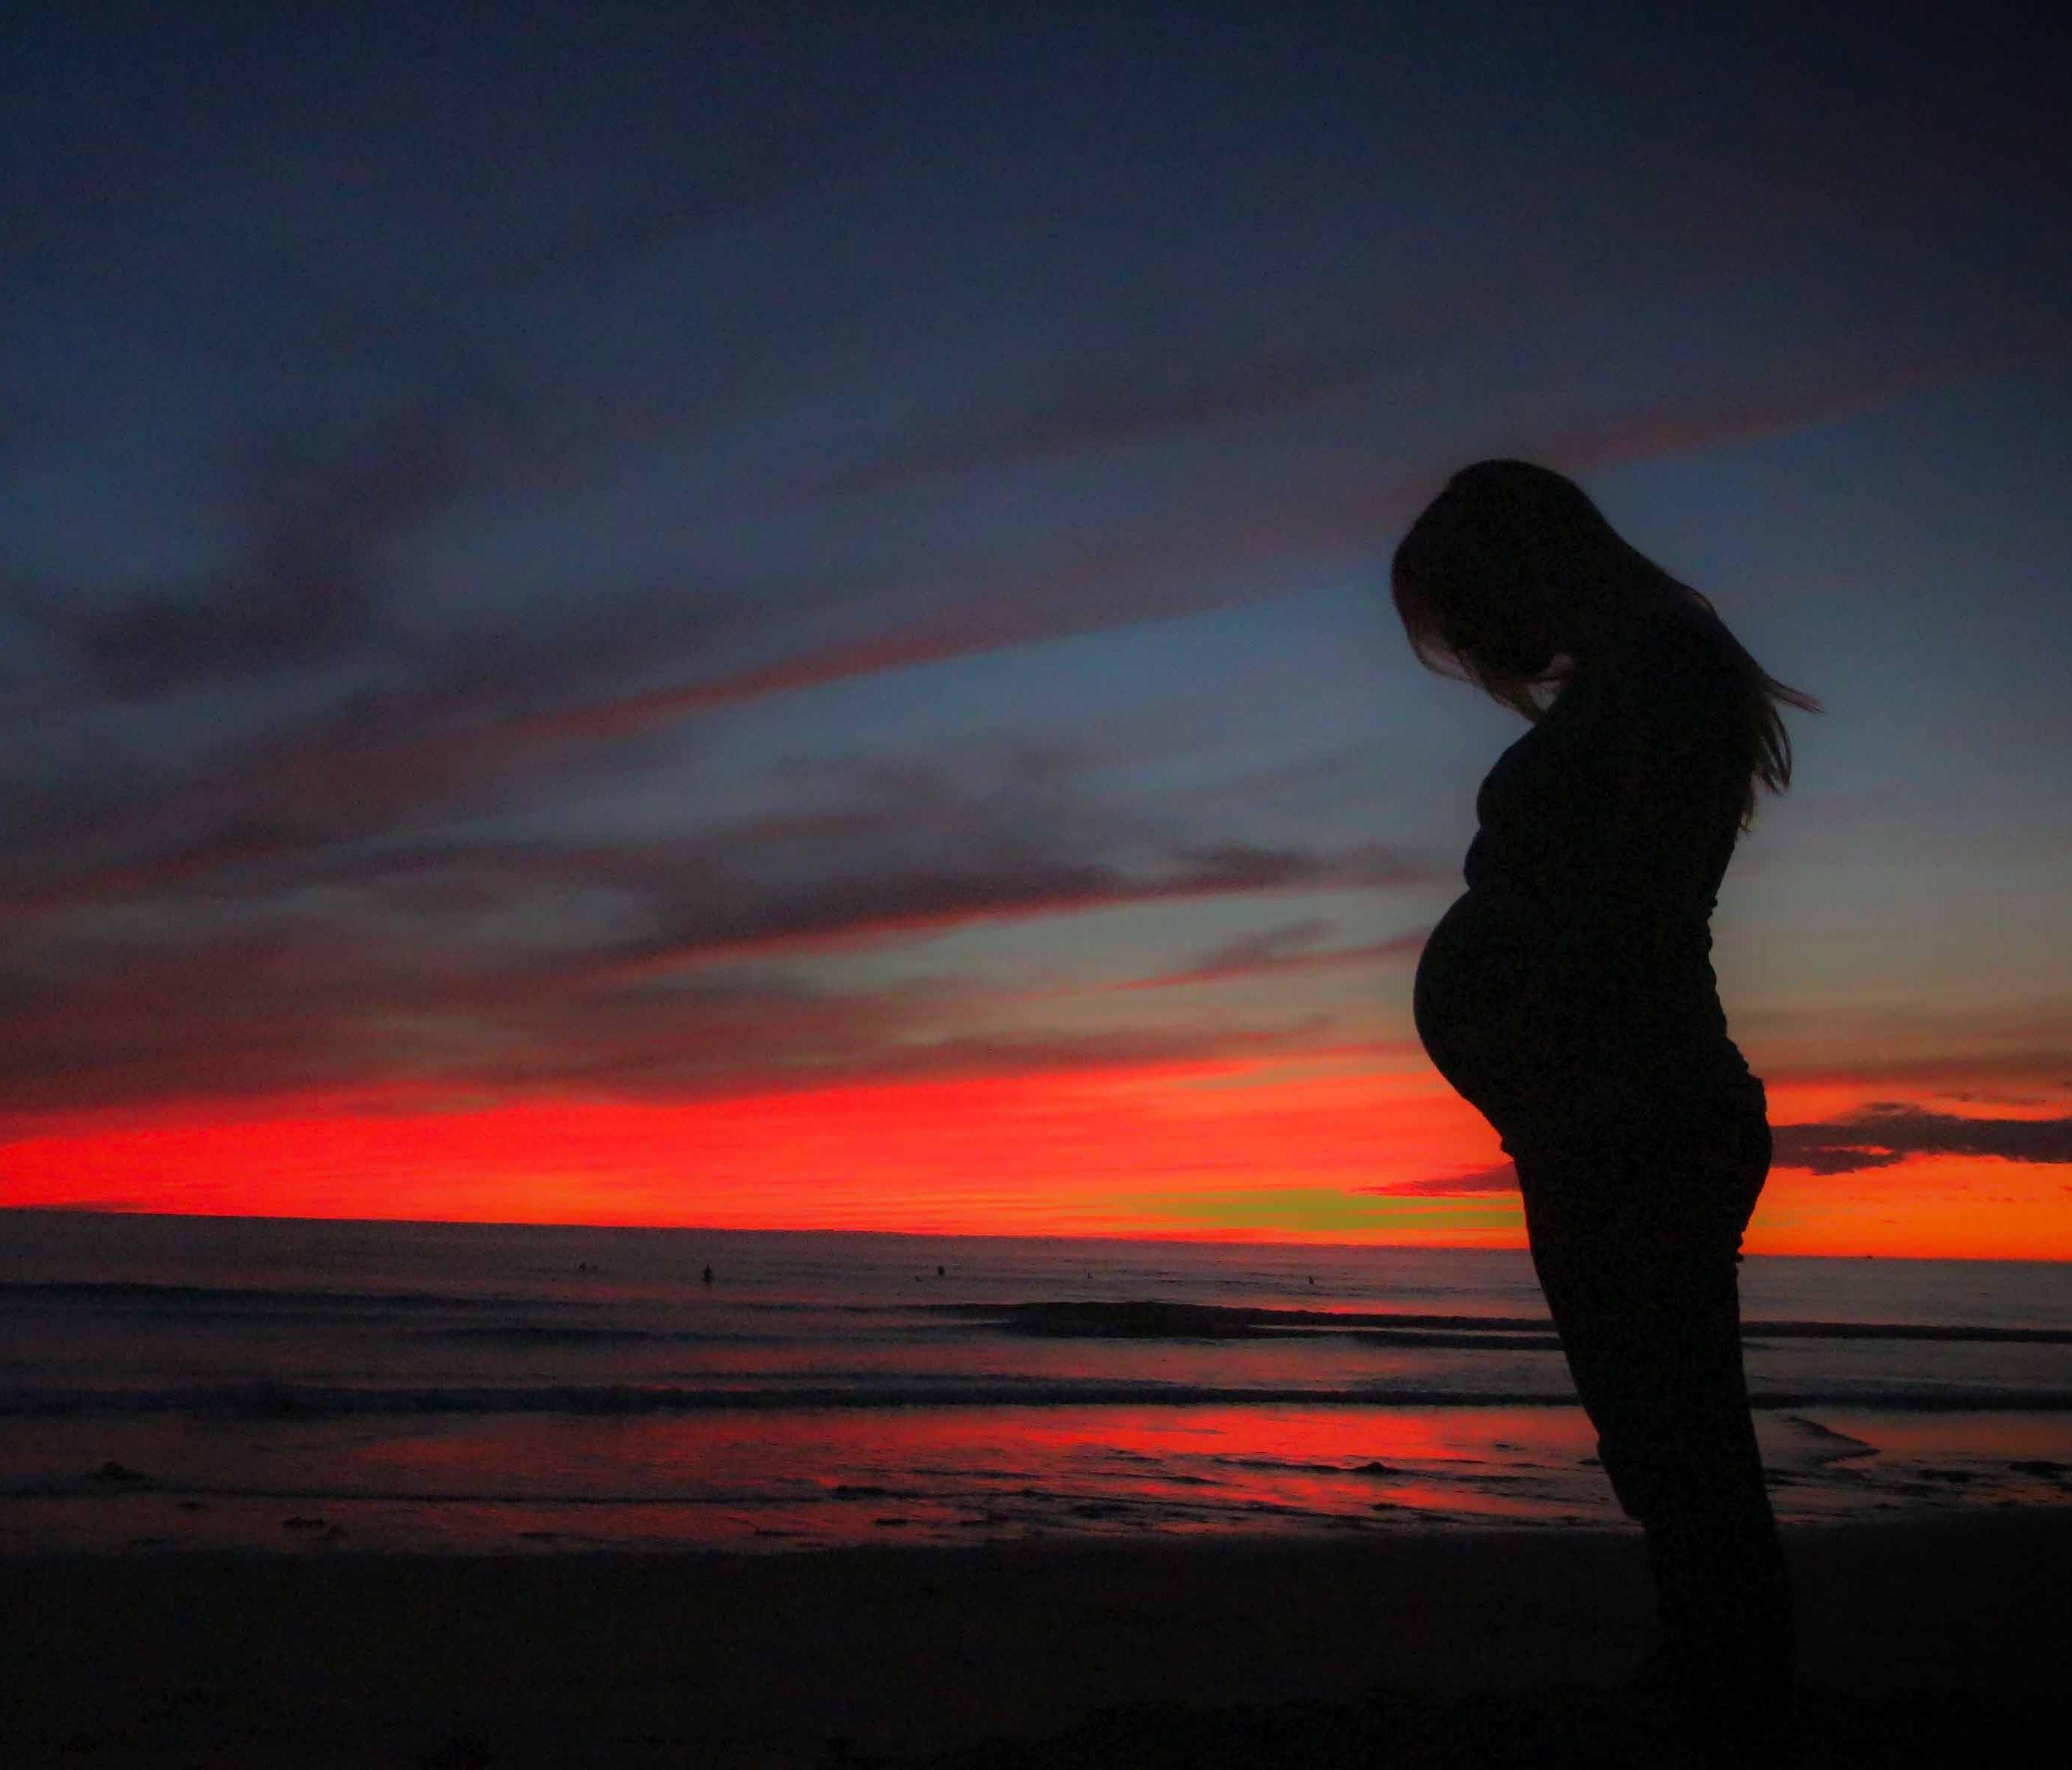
x=1636 y=1243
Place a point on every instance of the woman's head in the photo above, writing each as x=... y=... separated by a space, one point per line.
x=1511 y=574
x=1494 y=578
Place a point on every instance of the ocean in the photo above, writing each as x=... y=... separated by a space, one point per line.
x=309 y=1386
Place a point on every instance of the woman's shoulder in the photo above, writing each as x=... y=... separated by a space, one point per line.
x=1681 y=648
x=1672 y=685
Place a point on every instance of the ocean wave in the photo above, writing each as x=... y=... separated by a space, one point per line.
x=1149 y=1318
x=275 y=1401
x=1129 y=1319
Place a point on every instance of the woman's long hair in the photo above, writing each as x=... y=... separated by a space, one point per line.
x=1480 y=562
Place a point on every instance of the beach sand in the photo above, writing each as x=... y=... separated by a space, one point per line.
x=1445 y=1647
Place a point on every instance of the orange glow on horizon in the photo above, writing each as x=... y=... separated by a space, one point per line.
x=1288 y=1150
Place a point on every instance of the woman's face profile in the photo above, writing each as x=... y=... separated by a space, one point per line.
x=1506 y=626
x=1522 y=648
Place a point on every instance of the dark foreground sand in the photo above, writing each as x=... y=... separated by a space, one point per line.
x=1922 y=1639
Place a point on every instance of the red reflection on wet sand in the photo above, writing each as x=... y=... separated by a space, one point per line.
x=1163 y=1469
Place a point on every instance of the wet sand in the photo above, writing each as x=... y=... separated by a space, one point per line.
x=1443 y=1648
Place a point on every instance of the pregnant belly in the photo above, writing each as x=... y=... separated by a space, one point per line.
x=1516 y=1013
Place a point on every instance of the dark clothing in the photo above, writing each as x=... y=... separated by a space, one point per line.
x=1574 y=979
x=1636 y=1252
x=1570 y=997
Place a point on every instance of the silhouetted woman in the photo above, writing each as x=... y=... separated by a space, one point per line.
x=1569 y=997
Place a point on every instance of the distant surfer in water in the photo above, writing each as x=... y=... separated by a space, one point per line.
x=1569 y=997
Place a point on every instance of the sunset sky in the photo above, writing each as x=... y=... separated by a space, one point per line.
x=782 y=622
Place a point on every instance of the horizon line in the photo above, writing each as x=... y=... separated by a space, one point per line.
x=922 y=1234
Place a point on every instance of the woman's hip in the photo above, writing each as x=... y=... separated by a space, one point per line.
x=1676 y=1170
